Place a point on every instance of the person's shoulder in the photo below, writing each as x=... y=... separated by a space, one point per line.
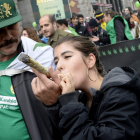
x=83 y=27
x=29 y=44
x=64 y=33
x=118 y=21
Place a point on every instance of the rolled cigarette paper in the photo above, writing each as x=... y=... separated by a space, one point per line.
x=33 y=63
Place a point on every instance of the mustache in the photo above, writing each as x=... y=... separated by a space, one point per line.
x=7 y=42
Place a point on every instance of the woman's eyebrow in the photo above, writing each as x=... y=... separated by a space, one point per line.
x=66 y=52
x=63 y=54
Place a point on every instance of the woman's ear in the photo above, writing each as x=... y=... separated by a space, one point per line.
x=91 y=60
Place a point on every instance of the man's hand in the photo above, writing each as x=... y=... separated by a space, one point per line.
x=95 y=39
x=44 y=89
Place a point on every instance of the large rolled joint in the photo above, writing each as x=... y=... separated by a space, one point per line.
x=33 y=63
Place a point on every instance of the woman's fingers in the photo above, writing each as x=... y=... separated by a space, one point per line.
x=67 y=84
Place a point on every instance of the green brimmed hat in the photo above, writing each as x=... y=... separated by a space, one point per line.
x=8 y=13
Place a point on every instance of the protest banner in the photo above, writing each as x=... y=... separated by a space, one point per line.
x=126 y=53
x=53 y=7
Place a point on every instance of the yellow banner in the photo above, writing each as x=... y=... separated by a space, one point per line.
x=42 y=1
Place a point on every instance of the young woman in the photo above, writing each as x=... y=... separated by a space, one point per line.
x=30 y=33
x=108 y=107
x=133 y=26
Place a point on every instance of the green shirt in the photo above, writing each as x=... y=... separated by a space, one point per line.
x=73 y=31
x=12 y=126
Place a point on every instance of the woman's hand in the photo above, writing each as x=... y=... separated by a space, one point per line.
x=67 y=83
x=44 y=89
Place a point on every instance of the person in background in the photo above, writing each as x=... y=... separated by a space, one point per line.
x=108 y=108
x=42 y=37
x=133 y=26
x=135 y=12
x=97 y=31
x=100 y=19
x=117 y=28
x=139 y=21
x=49 y=27
x=123 y=13
x=81 y=19
x=81 y=30
x=134 y=16
x=70 y=23
x=87 y=19
x=62 y=24
x=128 y=11
x=40 y=33
x=30 y=33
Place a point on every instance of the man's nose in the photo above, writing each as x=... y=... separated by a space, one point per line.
x=44 y=28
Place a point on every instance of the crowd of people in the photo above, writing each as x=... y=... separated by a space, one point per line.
x=104 y=28
x=80 y=100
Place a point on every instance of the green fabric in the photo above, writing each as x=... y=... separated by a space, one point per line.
x=12 y=126
x=38 y=44
x=111 y=30
x=73 y=31
x=8 y=13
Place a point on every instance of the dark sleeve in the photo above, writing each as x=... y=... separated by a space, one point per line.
x=53 y=112
x=118 y=119
x=104 y=39
x=119 y=29
x=105 y=33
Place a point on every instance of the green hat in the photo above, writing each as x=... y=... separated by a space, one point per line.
x=8 y=13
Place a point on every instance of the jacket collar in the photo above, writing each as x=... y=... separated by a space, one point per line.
x=77 y=26
x=55 y=37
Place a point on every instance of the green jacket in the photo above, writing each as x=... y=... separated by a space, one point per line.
x=111 y=30
x=59 y=34
x=73 y=31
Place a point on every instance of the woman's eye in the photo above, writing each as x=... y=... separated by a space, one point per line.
x=55 y=63
x=67 y=57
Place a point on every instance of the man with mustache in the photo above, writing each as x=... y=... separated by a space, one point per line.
x=22 y=116
x=49 y=27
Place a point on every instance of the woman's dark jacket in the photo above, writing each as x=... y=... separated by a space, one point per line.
x=114 y=113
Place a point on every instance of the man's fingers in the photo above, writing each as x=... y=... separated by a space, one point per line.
x=54 y=75
x=34 y=85
x=41 y=76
